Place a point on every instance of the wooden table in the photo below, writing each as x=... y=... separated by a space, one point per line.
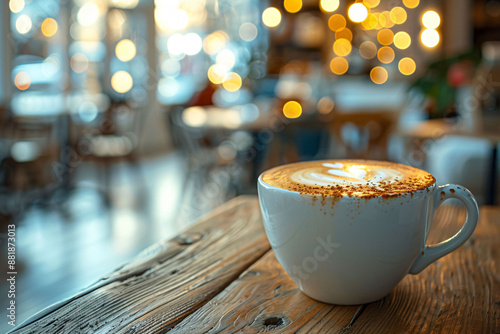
x=221 y=276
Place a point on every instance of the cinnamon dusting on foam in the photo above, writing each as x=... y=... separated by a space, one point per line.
x=353 y=178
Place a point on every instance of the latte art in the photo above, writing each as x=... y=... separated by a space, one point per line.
x=348 y=178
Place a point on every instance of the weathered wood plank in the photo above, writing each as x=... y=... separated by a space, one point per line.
x=459 y=294
x=265 y=299
x=166 y=282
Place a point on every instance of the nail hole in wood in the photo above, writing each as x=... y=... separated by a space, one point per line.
x=273 y=322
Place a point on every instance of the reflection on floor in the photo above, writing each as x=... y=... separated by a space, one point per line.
x=67 y=247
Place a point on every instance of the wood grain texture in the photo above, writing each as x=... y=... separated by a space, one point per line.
x=166 y=282
x=265 y=299
x=458 y=294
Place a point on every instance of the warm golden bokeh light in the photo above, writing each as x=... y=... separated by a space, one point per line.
x=388 y=22
x=125 y=50
x=368 y=50
x=122 y=81
x=194 y=116
x=402 y=40
x=271 y=17
x=325 y=105
x=407 y=66
x=342 y=47
x=248 y=31
x=22 y=81
x=431 y=19
x=226 y=58
x=215 y=42
x=232 y=82
x=381 y=20
x=411 y=3
x=371 y=3
x=385 y=36
x=16 y=6
x=339 y=65
x=358 y=12
x=23 y=24
x=385 y=54
x=336 y=22
x=429 y=38
x=370 y=22
x=216 y=73
x=329 y=5
x=398 y=15
x=292 y=109
x=379 y=75
x=292 y=6
x=345 y=33
x=79 y=62
x=49 y=27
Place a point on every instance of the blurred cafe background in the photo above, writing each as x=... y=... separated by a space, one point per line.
x=123 y=121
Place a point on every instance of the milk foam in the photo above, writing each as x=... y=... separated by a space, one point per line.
x=338 y=173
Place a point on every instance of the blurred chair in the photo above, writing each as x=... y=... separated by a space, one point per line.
x=110 y=138
x=29 y=148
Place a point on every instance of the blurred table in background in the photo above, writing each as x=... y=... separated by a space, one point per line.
x=488 y=129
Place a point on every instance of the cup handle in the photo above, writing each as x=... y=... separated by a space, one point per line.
x=434 y=252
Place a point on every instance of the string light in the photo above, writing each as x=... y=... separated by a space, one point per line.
x=430 y=38
x=431 y=19
x=329 y=6
x=385 y=36
x=339 y=65
x=411 y=3
x=271 y=17
x=342 y=47
x=379 y=75
x=407 y=66
x=122 y=81
x=357 y=12
x=336 y=22
x=398 y=15
x=292 y=6
x=345 y=33
x=125 y=50
x=232 y=82
x=49 y=27
x=292 y=109
x=385 y=54
x=402 y=40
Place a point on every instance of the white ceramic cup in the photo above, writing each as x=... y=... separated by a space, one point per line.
x=359 y=250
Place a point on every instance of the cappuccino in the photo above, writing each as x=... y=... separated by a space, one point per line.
x=353 y=178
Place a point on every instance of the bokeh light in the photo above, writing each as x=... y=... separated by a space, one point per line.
x=325 y=105
x=402 y=40
x=371 y=3
x=387 y=22
x=336 y=22
x=271 y=17
x=339 y=65
x=429 y=38
x=232 y=82
x=370 y=22
x=411 y=3
x=398 y=15
x=358 y=12
x=248 y=31
x=16 y=6
x=342 y=47
x=385 y=36
x=385 y=54
x=125 y=50
x=407 y=66
x=22 y=81
x=23 y=24
x=194 y=116
x=226 y=57
x=329 y=5
x=216 y=73
x=431 y=19
x=292 y=109
x=379 y=75
x=192 y=44
x=215 y=42
x=345 y=33
x=79 y=62
x=175 y=44
x=292 y=6
x=49 y=27
x=167 y=18
x=88 y=14
x=368 y=50
x=122 y=81
x=128 y=4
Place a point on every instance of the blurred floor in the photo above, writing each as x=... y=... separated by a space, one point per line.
x=65 y=247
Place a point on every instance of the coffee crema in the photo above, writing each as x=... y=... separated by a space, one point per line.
x=354 y=178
